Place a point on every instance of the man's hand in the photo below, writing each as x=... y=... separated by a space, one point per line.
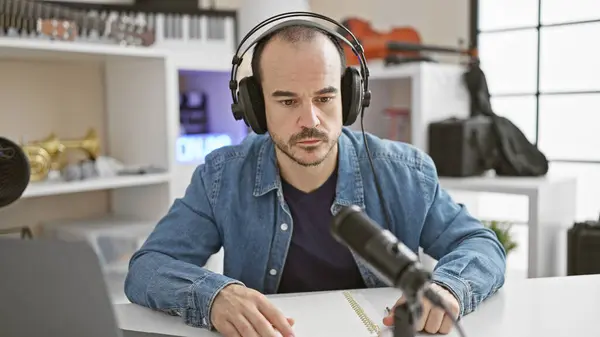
x=238 y=311
x=433 y=320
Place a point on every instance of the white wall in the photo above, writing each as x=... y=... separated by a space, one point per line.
x=438 y=22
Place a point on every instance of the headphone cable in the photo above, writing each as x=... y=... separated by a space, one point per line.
x=377 y=185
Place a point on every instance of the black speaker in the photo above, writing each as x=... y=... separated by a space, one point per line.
x=583 y=248
x=462 y=147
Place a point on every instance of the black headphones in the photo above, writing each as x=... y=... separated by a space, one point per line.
x=248 y=101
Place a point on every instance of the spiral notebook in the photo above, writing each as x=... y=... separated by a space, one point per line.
x=331 y=314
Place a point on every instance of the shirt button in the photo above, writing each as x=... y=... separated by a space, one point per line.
x=284 y=227
x=273 y=272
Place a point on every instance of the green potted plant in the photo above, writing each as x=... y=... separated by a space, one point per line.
x=502 y=230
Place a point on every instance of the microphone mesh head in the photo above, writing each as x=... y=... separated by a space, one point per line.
x=352 y=227
x=14 y=172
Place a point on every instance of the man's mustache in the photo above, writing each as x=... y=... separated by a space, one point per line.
x=308 y=134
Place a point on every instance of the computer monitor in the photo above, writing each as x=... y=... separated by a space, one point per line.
x=53 y=288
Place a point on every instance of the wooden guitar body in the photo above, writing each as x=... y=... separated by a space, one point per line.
x=376 y=43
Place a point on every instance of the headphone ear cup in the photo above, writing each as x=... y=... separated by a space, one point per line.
x=252 y=103
x=351 y=95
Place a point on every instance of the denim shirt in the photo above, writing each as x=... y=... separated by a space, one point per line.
x=235 y=201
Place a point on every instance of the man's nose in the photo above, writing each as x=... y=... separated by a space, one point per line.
x=309 y=116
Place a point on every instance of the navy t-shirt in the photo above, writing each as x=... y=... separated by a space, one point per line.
x=315 y=260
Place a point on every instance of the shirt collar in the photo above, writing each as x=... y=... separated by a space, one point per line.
x=349 y=186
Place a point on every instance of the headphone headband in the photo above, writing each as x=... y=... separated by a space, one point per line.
x=354 y=44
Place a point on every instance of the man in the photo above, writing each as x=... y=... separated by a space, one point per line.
x=269 y=202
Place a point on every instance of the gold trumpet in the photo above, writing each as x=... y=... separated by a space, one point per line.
x=40 y=162
x=89 y=144
x=49 y=153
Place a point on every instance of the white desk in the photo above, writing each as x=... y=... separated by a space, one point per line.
x=552 y=202
x=544 y=307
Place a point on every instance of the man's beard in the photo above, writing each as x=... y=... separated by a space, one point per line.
x=286 y=147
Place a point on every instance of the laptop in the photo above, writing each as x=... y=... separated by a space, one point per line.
x=53 y=288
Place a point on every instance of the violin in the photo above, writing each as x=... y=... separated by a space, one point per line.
x=399 y=44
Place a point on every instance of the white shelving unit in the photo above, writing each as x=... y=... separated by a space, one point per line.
x=129 y=95
x=68 y=51
x=137 y=90
x=430 y=91
x=56 y=188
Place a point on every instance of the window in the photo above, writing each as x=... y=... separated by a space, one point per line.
x=509 y=60
x=569 y=60
x=507 y=14
x=568 y=11
x=569 y=127
x=542 y=64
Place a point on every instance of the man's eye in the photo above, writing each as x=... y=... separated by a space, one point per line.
x=324 y=99
x=288 y=102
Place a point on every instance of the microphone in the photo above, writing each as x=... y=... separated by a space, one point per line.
x=389 y=258
x=14 y=172
x=395 y=263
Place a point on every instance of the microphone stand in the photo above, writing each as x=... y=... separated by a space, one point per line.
x=407 y=315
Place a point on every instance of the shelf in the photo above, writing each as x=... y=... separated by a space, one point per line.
x=64 y=50
x=378 y=71
x=56 y=188
x=200 y=60
x=128 y=94
x=503 y=184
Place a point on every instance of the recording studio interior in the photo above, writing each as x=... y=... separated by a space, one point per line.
x=110 y=107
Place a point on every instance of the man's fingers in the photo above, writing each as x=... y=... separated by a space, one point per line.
x=447 y=325
x=291 y=321
x=276 y=318
x=228 y=330
x=434 y=320
x=244 y=327
x=388 y=320
x=260 y=323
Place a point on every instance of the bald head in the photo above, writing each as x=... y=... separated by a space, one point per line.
x=294 y=35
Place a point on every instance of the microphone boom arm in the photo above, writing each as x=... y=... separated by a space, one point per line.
x=408 y=314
